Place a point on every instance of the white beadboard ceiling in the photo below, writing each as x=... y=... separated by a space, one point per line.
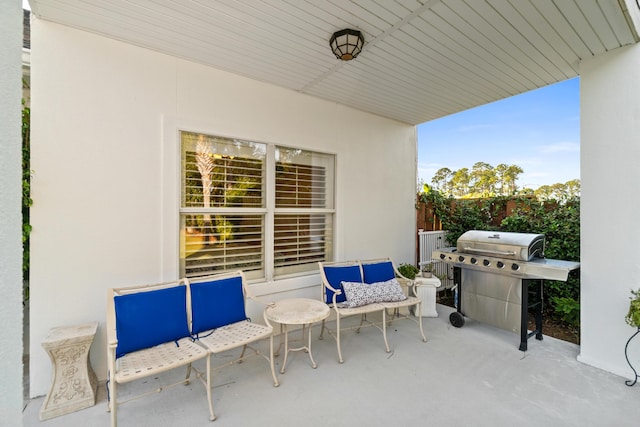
x=422 y=59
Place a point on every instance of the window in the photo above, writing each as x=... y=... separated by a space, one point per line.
x=303 y=220
x=260 y=208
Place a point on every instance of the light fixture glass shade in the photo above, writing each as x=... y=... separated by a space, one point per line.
x=346 y=44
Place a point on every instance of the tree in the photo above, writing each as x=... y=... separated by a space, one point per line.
x=544 y=192
x=573 y=188
x=486 y=181
x=510 y=177
x=501 y=178
x=460 y=182
x=561 y=193
x=483 y=179
x=442 y=180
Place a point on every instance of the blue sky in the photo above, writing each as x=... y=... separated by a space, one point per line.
x=538 y=131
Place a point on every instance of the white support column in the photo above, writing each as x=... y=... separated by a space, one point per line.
x=610 y=155
x=11 y=400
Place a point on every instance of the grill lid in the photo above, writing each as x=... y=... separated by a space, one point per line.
x=513 y=246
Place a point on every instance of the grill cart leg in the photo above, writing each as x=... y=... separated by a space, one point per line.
x=537 y=304
x=539 y=309
x=457 y=318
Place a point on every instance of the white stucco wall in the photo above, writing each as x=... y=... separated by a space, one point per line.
x=104 y=158
x=610 y=159
x=10 y=213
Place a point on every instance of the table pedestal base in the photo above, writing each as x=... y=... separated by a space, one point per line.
x=307 y=348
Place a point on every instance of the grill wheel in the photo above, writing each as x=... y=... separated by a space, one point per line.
x=456 y=319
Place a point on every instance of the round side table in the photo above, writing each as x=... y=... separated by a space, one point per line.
x=297 y=311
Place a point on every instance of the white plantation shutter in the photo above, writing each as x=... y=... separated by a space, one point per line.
x=303 y=221
x=300 y=186
x=227 y=221
x=300 y=241
x=232 y=242
x=222 y=210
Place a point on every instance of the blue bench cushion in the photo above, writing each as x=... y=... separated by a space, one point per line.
x=150 y=318
x=378 y=272
x=336 y=275
x=216 y=303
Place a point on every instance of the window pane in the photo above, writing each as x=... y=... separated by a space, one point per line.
x=221 y=172
x=304 y=179
x=216 y=243
x=300 y=241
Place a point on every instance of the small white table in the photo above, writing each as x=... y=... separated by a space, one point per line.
x=296 y=311
x=74 y=383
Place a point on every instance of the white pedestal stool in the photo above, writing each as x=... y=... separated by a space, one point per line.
x=73 y=383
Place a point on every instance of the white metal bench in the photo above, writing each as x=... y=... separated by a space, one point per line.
x=360 y=276
x=156 y=328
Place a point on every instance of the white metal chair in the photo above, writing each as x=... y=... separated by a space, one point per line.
x=148 y=334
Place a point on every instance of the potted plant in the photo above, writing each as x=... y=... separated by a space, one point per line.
x=633 y=319
x=408 y=270
x=427 y=270
x=633 y=315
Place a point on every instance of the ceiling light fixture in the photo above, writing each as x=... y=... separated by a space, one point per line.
x=346 y=44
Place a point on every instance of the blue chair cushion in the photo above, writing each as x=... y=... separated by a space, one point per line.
x=378 y=272
x=216 y=303
x=150 y=318
x=336 y=275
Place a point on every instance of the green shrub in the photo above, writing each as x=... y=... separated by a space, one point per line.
x=26 y=195
x=568 y=309
x=409 y=271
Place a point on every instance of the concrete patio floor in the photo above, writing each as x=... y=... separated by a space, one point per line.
x=472 y=376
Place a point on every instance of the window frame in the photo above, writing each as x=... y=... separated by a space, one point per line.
x=269 y=209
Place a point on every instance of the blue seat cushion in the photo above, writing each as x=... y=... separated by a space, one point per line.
x=378 y=272
x=147 y=319
x=216 y=303
x=336 y=275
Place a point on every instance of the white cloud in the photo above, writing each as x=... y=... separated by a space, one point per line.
x=571 y=147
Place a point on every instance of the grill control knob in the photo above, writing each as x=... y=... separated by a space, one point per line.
x=486 y=263
x=460 y=258
x=474 y=261
x=442 y=256
x=500 y=264
x=515 y=267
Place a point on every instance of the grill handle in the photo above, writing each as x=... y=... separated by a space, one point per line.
x=489 y=252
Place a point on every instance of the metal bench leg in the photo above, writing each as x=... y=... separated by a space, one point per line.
x=187 y=377
x=363 y=318
x=340 y=360
x=212 y=415
x=112 y=403
x=384 y=330
x=419 y=311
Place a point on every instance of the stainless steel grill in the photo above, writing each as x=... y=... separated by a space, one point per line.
x=499 y=276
